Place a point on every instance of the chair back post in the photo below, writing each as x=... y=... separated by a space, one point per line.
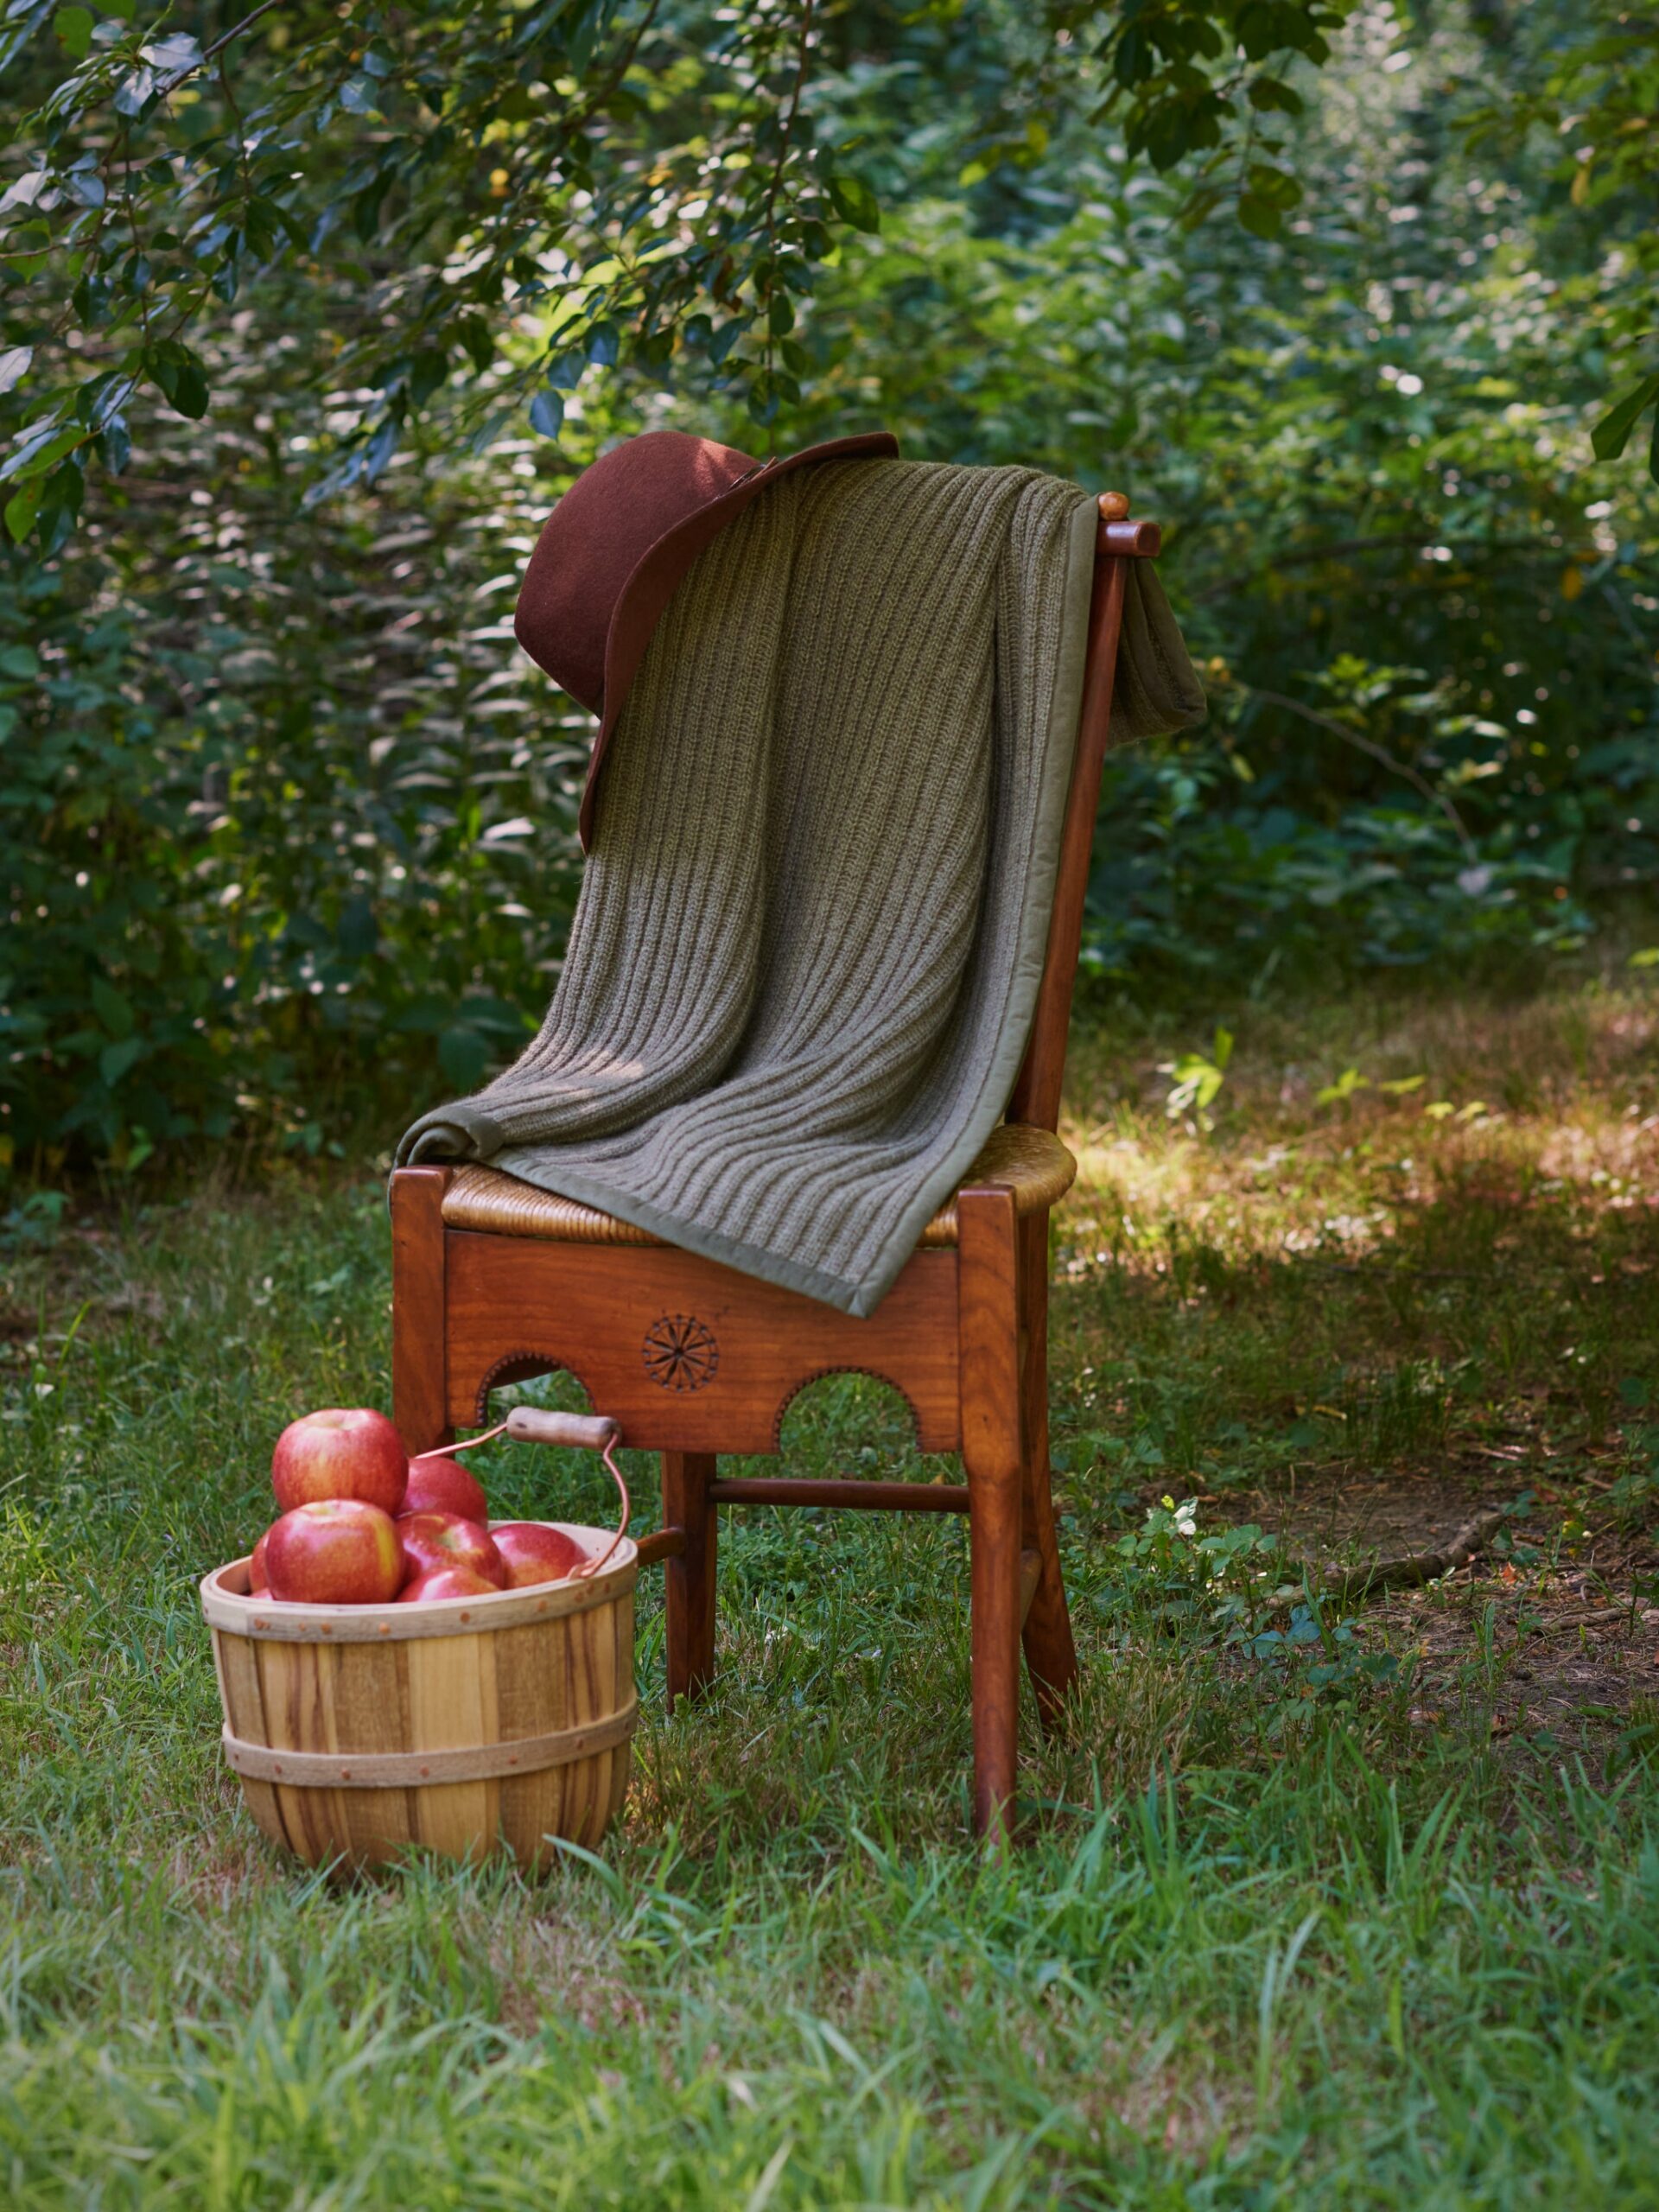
x=1118 y=541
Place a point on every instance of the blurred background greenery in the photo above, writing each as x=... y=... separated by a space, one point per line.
x=287 y=820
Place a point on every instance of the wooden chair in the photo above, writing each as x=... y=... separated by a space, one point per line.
x=494 y=1281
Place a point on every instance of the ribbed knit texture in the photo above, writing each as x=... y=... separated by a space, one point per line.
x=807 y=950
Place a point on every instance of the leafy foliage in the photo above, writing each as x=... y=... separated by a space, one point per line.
x=1593 y=104
x=490 y=199
x=1421 y=606
x=276 y=778
x=274 y=811
x=1203 y=80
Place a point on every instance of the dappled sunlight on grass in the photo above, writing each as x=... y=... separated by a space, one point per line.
x=1370 y=1877
x=1405 y=1267
x=1556 y=1099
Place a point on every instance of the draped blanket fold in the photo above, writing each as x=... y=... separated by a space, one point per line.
x=805 y=957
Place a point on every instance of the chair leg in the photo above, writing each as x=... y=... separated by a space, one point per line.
x=689 y=1582
x=1050 y=1654
x=988 y=1342
x=419 y=1319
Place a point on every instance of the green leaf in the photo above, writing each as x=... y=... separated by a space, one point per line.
x=90 y=298
x=379 y=449
x=547 y=413
x=74 y=28
x=464 y=1055
x=1259 y=217
x=1610 y=435
x=189 y=393
x=1343 y=1088
x=1269 y=96
x=42 y=450
x=1260 y=28
x=174 y=52
x=426 y=373
x=114 y=1060
x=22 y=507
x=112 y=1008
x=475 y=334
x=114 y=444
x=65 y=488
x=1276 y=186
x=134 y=92
x=15 y=366
x=139 y=1151
x=1132 y=57
x=856 y=203
x=357 y=933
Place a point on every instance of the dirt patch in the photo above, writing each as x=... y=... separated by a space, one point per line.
x=1543 y=1659
x=1555 y=1634
x=1348 y=1520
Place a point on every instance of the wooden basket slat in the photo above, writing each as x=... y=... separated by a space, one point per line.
x=238 y=1664
x=287 y=1675
x=452 y=1700
x=622 y=1619
x=371 y=1713
x=585 y=1699
x=532 y=1676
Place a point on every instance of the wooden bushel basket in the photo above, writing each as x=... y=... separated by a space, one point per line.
x=467 y=1726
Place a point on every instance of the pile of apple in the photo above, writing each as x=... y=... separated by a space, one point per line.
x=362 y=1525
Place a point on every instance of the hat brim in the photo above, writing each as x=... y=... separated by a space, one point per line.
x=656 y=575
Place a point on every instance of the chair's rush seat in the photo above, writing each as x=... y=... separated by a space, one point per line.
x=1031 y=1163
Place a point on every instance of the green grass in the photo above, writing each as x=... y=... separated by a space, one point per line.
x=1282 y=1931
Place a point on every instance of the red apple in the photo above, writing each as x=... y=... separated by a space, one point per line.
x=258 y=1580
x=435 y=1540
x=446 y=1582
x=445 y=1486
x=534 y=1552
x=340 y=1454
x=335 y=1551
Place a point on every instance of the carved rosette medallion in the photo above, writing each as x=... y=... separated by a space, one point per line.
x=680 y=1352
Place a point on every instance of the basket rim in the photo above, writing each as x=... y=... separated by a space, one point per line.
x=271 y=1620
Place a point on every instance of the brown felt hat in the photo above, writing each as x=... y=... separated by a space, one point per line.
x=612 y=550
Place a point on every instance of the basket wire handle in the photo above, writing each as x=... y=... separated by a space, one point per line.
x=577 y=1431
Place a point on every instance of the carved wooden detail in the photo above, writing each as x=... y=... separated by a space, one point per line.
x=590 y=1310
x=680 y=1352
x=822 y=1374
x=522 y=1366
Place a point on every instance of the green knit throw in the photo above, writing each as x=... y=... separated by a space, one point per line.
x=805 y=962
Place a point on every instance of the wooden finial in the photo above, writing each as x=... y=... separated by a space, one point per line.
x=1114 y=507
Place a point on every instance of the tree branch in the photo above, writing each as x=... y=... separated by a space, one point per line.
x=788 y=132
x=165 y=90
x=1378 y=752
x=1393 y=541
x=1418 y=1567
